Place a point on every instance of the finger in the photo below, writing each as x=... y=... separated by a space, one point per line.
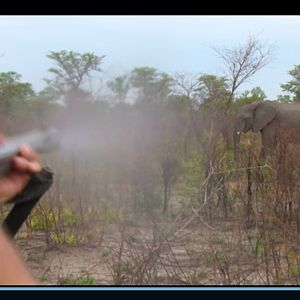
x=2 y=138
x=23 y=165
x=16 y=182
x=28 y=153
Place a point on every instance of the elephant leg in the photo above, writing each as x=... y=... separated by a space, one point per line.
x=268 y=142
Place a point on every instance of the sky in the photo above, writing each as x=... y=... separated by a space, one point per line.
x=169 y=43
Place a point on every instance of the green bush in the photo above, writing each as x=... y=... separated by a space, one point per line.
x=43 y=221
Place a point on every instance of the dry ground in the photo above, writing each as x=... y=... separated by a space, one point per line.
x=199 y=254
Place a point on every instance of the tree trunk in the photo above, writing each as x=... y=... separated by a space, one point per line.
x=166 y=200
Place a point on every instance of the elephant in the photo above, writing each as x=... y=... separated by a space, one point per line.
x=276 y=122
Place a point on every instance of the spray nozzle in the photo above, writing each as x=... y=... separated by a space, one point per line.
x=40 y=141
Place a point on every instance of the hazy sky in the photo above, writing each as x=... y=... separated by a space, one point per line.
x=168 y=43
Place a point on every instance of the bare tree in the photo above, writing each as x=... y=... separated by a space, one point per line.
x=242 y=62
x=185 y=84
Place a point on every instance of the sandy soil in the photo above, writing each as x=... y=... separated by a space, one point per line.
x=194 y=257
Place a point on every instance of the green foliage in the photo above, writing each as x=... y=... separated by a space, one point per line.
x=293 y=257
x=56 y=238
x=72 y=69
x=68 y=217
x=293 y=86
x=49 y=94
x=14 y=95
x=259 y=248
x=212 y=91
x=59 y=225
x=295 y=269
x=220 y=257
x=256 y=94
x=111 y=215
x=119 y=86
x=284 y=98
x=215 y=256
x=153 y=86
x=71 y=239
x=68 y=238
x=11 y=86
x=178 y=103
x=151 y=200
x=215 y=240
x=105 y=252
x=191 y=174
x=143 y=76
x=208 y=257
x=47 y=220
x=44 y=221
x=196 y=276
x=247 y=97
x=79 y=281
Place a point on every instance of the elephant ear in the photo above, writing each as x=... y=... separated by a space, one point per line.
x=263 y=115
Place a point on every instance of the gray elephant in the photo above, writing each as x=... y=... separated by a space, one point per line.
x=276 y=122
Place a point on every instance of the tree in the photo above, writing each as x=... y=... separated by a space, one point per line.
x=152 y=85
x=48 y=112
x=12 y=88
x=284 y=98
x=243 y=62
x=256 y=94
x=119 y=86
x=212 y=91
x=49 y=94
x=72 y=69
x=169 y=169
x=292 y=86
x=185 y=85
x=14 y=96
x=209 y=123
x=184 y=103
x=179 y=107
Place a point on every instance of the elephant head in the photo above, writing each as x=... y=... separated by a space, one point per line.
x=255 y=117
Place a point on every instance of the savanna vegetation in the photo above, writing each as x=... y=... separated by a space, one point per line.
x=146 y=187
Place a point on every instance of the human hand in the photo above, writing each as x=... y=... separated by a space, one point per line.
x=24 y=166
